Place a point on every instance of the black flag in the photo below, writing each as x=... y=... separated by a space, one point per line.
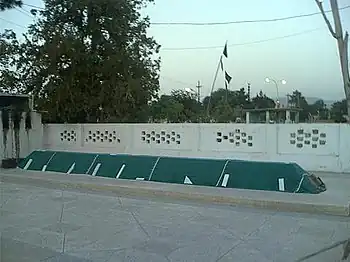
x=228 y=77
x=225 y=51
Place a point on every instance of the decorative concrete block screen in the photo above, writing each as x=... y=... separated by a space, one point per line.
x=103 y=135
x=62 y=136
x=112 y=138
x=235 y=138
x=163 y=137
x=271 y=176
x=68 y=136
x=74 y=137
x=326 y=145
x=319 y=140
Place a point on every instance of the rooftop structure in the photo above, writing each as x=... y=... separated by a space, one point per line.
x=10 y=100
x=283 y=115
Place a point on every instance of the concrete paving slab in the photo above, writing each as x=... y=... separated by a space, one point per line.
x=142 y=229
x=35 y=236
x=335 y=201
x=15 y=250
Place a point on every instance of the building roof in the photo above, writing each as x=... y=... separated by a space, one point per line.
x=281 y=109
x=13 y=95
x=8 y=100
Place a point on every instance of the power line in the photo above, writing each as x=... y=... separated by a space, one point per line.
x=10 y=22
x=25 y=12
x=34 y=6
x=176 y=81
x=242 y=44
x=214 y=47
x=28 y=12
x=245 y=21
x=230 y=22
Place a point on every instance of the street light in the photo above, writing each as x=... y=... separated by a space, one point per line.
x=283 y=82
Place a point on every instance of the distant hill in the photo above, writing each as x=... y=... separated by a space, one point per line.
x=310 y=100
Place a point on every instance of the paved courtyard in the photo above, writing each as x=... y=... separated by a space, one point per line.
x=39 y=224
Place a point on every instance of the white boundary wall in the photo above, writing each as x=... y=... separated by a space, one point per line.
x=316 y=147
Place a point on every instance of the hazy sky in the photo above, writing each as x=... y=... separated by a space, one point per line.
x=308 y=62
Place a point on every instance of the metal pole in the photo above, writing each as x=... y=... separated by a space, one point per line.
x=199 y=91
x=342 y=41
x=213 y=85
x=276 y=84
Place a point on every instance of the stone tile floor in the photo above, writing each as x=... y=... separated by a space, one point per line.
x=39 y=224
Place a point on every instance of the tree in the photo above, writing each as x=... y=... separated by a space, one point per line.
x=343 y=46
x=262 y=101
x=338 y=111
x=166 y=109
x=88 y=61
x=8 y=4
x=319 y=110
x=191 y=108
x=225 y=113
x=9 y=48
x=226 y=105
x=232 y=98
x=299 y=101
x=178 y=107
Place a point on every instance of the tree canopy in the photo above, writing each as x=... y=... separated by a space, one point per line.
x=339 y=111
x=263 y=101
x=92 y=61
x=179 y=106
x=8 y=4
x=296 y=99
x=86 y=61
x=227 y=105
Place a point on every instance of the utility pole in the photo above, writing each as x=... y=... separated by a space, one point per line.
x=248 y=91
x=342 y=42
x=199 y=86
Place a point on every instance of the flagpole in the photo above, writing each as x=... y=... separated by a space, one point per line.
x=213 y=85
x=226 y=85
x=215 y=77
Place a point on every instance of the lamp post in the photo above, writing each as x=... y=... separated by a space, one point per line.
x=283 y=82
